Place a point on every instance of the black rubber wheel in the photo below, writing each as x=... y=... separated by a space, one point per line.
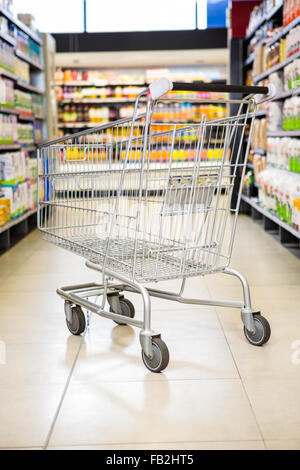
x=262 y=331
x=78 y=324
x=127 y=308
x=160 y=358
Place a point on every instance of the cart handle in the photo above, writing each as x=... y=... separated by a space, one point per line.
x=163 y=85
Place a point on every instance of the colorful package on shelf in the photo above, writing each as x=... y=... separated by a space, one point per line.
x=259 y=134
x=291 y=11
x=23 y=42
x=23 y=102
x=31 y=170
x=13 y=194
x=277 y=192
x=274 y=116
x=7 y=5
x=31 y=195
x=34 y=51
x=37 y=131
x=14 y=168
x=276 y=79
x=8 y=129
x=4 y=210
x=293 y=41
x=292 y=75
x=7 y=91
x=291 y=114
x=25 y=133
x=38 y=104
x=22 y=70
x=284 y=153
x=7 y=56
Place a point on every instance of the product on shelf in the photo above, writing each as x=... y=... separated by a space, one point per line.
x=275 y=119
x=19 y=184
x=37 y=131
x=276 y=79
x=25 y=133
x=6 y=92
x=23 y=102
x=14 y=168
x=7 y=56
x=291 y=11
x=28 y=47
x=7 y=5
x=22 y=70
x=8 y=129
x=259 y=134
x=4 y=210
x=291 y=114
x=259 y=164
x=279 y=192
x=284 y=153
x=37 y=104
x=292 y=75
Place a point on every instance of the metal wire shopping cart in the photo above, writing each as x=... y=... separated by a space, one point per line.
x=145 y=201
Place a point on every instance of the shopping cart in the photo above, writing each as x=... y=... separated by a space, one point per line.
x=146 y=201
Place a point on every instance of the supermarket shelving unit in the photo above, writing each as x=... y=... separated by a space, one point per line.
x=13 y=230
x=286 y=234
x=114 y=102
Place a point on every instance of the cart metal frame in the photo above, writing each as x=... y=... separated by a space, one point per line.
x=111 y=292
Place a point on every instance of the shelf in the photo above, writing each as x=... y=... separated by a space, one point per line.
x=274 y=10
x=268 y=17
x=8 y=38
x=284 y=134
x=28 y=87
x=21 y=26
x=91 y=84
x=249 y=60
x=7 y=74
x=29 y=61
x=286 y=94
x=276 y=67
x=16 y=221
x=283 y=32
x=4 y=109
x=260 y=113
x=29 y=148
x=265 y=212
x=260 y=152
x=24 y=117
x=101 y=100
x=10 y=146
x=32 y=117
x=78 y=125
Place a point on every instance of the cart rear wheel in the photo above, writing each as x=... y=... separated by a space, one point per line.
x=262 y=331
x=78 y=323
x=160 y=358
x=127 y=308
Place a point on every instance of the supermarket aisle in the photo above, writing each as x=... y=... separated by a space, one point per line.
x=218 y=392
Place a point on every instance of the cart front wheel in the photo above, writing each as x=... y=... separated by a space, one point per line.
x=77 y=325
x=160 y=358
x=127 y=308
x=262 y=331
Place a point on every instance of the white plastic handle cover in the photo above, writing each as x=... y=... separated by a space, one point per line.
x=269 y=96
x=160 y=87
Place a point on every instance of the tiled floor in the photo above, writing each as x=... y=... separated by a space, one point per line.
x=218 y=392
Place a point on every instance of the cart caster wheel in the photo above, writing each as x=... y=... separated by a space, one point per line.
x=78 y=323
x=127 y=308
x=262 y=331
x=160 y=358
